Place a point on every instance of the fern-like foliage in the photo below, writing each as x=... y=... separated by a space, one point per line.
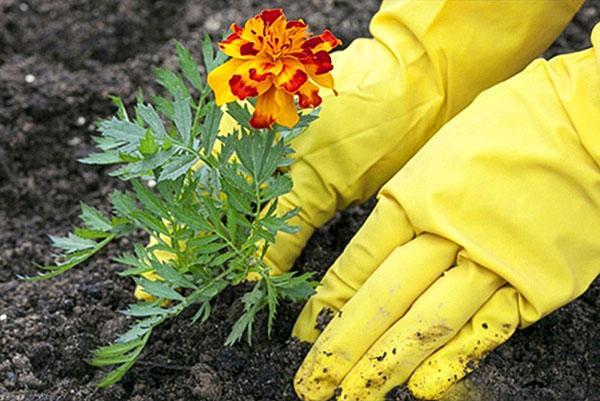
x=208 y=199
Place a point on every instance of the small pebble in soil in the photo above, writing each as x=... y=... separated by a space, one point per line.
x=151 y=183
x=23 y=7
x=29 y=78
x=3 y=317
x=212 y=24
x=80 y=121
x=207 y=385
x=74 y=141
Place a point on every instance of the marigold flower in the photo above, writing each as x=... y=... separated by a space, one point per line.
x=274 y=59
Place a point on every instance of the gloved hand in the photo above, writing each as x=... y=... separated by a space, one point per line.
x=492 y=225
x=427 y=61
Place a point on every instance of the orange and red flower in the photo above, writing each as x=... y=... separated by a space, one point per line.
x=274 y=59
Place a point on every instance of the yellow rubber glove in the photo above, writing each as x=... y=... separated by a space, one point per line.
x=427 y=60
x=492 y=225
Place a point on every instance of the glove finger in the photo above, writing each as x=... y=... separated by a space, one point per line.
x=491 y=326
x=388 y=293
x=431 y=322
x=385 y=229
x=287 y=247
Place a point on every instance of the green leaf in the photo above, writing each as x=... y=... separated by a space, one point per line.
x=113 y=350
x=147 y=166
x=289 y=134
x=90 y=234
x=148 y=145
x=260 y=155
x=183 y=117
x=271 y=303
x=178 y=166
x=253 y=302
x=115 y=360
x=128 y=158
x=123 y=204
x=122 y=130
x=211 y=248
x=240 y=185
x=240 y=113
x=118 y=355
x=149 y=200
x=227 y=149
x=241 y=326
x=191 y=218
x=295 y=288
x=164 y=106
x=212 y=289
x=276 y=186
x=106 y=143
x=153 y=120
x=208 y=206
x=210 y=127
x=172 y=276
x=115 y=375
x=102 y=158
x=71 y=261
x=135 y=271
x=169 y=190
x=203 y=312
x=139 y=101
x=221 y=259
x=128 y=259
x=202 y=241
x=150 y=223
x=72 y=243
x=158 y=289
x=121 y=110
x=140 y=329
x=280 y=223
x=137 y=261
x=239 y=202
x=94 y=219
x=211 y=61
x=172 y=83
x=189 y=66
x=143 y=309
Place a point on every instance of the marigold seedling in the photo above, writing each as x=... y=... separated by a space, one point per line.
x=210 y=210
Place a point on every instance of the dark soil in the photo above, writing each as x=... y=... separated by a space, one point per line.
x=59 y=60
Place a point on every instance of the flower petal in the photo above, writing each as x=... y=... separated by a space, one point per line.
x=324 y=80
x=287 y=114
x=238 y=47
x=253 y=78
x=318 y=63
x=292 y=76
x=271 y=15
x=296 y=24
x=308 y=95
x=325 y=41
x=218 y=80
x=275 y=106
x=266 y=108
x=242 y=88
